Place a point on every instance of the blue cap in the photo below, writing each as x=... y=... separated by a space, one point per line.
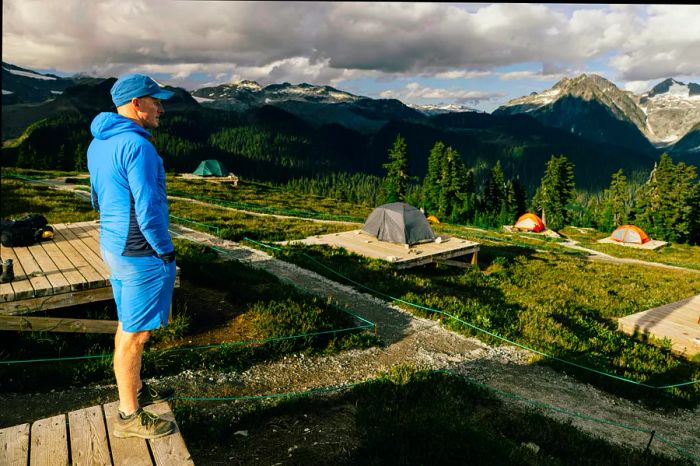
x=137 y=85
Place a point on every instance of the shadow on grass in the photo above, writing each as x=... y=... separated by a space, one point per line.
x=599 y=346
x=278 y=311
x=421 y=418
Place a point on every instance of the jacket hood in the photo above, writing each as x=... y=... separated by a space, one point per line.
x=108 y=124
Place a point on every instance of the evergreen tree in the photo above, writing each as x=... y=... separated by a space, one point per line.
x=509 y=210
x=396 y=181
x=453 y=186
x=494 y=190
x=520 y=198
x=616 y=203
x=556 y=192
x=433 y=178
x=667 y=206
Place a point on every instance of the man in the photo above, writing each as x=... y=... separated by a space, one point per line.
x=128 y=189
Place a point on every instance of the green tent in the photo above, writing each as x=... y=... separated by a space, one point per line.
x=211 y=168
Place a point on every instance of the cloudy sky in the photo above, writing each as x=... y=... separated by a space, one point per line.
x=475 y=54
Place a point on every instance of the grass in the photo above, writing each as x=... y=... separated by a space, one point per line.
x=556 y=303
x=233 y=225
x=407 y=417
x=266 y=198
x=20 y=198
x=275 y=311
x=680 y=255
x=271 y=310
x=530 y=289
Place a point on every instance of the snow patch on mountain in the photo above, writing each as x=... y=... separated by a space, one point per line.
x=29 y=74
x=202 y=99
x=436 y=109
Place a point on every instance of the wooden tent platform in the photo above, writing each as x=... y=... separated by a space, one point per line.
x=679 y=321
x=62 y=272
x=84 y=437
x=651 y=244
x=400 y=255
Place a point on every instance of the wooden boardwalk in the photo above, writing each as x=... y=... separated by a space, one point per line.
x=400 y=255
x=679 y=321
x=84 y=437
x=62 y=272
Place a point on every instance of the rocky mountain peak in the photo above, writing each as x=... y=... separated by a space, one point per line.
x=586 y=86
x=247 y=84
x=664 y=86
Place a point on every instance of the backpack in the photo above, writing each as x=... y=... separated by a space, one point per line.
x=24 y=231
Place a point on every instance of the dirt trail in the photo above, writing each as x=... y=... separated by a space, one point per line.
x=412 y=340
x=603 y=257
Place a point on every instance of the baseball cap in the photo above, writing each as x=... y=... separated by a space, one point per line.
x=137 y=85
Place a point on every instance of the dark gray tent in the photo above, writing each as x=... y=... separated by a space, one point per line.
x=398 y=222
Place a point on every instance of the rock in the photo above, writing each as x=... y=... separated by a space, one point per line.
x=532 y=446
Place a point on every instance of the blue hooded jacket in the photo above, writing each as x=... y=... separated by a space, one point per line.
x=127 y=180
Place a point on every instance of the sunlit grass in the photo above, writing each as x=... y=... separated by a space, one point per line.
x=681 y=255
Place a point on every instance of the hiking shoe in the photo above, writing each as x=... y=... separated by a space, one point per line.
x=142 y=424
x=149 y=395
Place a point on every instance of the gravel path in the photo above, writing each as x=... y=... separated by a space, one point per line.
x=425 y=343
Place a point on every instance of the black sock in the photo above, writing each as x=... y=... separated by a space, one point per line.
x=124 y=417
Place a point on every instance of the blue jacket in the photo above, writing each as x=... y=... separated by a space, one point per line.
x=127 y=180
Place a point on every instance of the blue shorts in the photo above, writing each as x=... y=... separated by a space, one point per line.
x=142 y=288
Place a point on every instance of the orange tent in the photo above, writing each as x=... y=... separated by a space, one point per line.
x=629 y=234
x=529 y=222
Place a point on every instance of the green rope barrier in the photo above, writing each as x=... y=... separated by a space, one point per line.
x=274 y=395
x=539 y=404
x=482 y=330
x=264 y=209
x=513 y=396
x=193 y=348
x=206 y=225
x=367 y=325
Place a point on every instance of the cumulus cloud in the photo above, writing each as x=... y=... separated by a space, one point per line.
x=527 y=74
x=332 y=41
x=414 y=92
x=666 y=45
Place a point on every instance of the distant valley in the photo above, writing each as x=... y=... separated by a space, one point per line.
x=598 y=126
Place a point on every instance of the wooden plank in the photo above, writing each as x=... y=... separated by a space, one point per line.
x=169 y=450
x=55 y=324
x=125 y=451
x=88 y=437
x=92 y=267
x=49 y=442
x=58 y=282
x=677 y=321
x=21 y=287
x=89 y=248
x=91 y=237
x=400 y=255
x=33 y=271
x=70 y=272
x=14 y=445
x=464 y=265
x=89 y=234
x=7 y=293
x=27 y=306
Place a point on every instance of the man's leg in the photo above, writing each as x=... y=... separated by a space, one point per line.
x=128 y=348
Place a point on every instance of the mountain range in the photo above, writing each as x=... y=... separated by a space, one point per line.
x=661 y=117
x=598 y=126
